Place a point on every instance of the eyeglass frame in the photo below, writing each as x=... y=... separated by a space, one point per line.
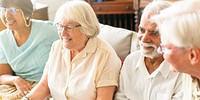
x=12 y=10
x=162 y=48
x=67 y=28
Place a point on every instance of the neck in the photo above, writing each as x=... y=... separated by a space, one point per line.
x=153 y=63
x=22 y=35
x=195 y=72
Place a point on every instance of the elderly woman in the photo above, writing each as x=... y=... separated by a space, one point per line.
x=24 y=48
x=180 y=32
x=81 y=66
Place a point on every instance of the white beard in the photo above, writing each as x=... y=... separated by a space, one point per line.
x=149 y=53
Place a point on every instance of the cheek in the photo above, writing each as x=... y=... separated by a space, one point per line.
x=169 y=57
x=139 y=36
x=175 y=60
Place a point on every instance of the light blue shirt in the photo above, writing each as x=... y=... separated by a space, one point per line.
x=29 y=59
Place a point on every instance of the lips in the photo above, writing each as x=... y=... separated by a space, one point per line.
x=10 y=22
x=67 y=39
x=147 y=47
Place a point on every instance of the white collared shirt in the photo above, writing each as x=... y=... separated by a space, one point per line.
x=137 y=84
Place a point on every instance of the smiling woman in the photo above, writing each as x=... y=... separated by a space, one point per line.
x=40 y=12
x=23 y=60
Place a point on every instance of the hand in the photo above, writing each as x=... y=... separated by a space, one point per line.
x=22 y=85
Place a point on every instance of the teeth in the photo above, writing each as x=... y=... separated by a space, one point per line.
x=67 y=40
x=10 y=22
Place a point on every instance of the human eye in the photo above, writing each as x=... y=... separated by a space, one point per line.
x=154 y=32
x=142 y=30
x=59 y=27
x=13 y=10
x=68 y=28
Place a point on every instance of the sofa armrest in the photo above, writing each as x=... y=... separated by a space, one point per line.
x=134 y=42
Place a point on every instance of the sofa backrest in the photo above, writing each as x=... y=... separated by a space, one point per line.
x=122 y=40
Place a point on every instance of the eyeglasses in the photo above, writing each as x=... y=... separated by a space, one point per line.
x=152 y=32
x=164 y=49
x=11 y=10
x=66 y=28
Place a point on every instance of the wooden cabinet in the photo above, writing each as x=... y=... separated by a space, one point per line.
x=113 y=7
x=119 y=13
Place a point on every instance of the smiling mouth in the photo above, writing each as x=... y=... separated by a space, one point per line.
x=67 y=40
x=147 y=47
x=8 y=23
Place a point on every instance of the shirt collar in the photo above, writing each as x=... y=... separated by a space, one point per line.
x=90 y=47
x=164 y=68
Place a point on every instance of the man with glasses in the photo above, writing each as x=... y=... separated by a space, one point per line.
x=145 y=75
x=180 y=32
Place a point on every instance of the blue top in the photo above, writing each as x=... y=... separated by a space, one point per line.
x=29 y=59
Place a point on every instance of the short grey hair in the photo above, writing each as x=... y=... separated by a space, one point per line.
x=156 y=6
x=82 y=13
x=179 y=24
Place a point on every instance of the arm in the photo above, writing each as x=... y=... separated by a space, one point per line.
x=124 y=79
x=40 y=91
x=121 y=93
x=6 y=74
x=7 y=77
x=105 y=93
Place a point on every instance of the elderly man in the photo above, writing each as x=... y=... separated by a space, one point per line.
x=182 y=48
x=145 y=74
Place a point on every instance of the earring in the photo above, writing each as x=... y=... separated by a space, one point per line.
x=26 y=21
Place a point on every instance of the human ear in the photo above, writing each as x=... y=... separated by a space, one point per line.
x=194 y=55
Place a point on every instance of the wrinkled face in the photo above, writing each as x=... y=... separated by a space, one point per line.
x=71 y=36
x=12 y=17
x=176 y=56
x=149 y=38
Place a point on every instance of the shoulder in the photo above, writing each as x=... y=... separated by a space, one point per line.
x=105 y=50
x=4 y=35
x=132 y=59
x=4 y=32
x=57 y=44
x=104 y=45
x=134 y=55
x=43 y=24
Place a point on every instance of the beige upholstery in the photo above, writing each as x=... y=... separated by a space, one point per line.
x=122 y=40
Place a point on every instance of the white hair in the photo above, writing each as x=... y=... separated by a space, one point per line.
x=179 y=24
x=156 y=6
x=82 y=13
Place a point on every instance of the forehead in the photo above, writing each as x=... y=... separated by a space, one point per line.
x=67 y=22
x=146 y=22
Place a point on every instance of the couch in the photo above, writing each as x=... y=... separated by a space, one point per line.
x=122 y=40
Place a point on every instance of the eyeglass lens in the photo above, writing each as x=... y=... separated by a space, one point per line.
x=11 y=9
x=66 y=28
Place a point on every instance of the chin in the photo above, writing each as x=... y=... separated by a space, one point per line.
x=150 y=53
x=66 y=46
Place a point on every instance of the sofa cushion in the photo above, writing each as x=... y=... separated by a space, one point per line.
x=118 y=38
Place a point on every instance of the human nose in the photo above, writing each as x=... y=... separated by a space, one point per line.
x=144 y=37
x=63 y=32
